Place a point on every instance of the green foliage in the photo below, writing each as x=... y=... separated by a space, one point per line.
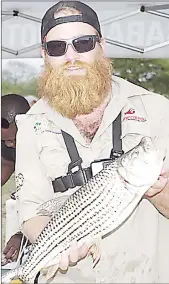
x=19 y=78
x=152 y=74
x=16 y=72
x=24 y=88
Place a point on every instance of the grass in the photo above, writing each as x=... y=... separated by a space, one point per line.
x=7 y=189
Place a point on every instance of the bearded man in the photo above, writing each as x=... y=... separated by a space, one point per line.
x=79 y=101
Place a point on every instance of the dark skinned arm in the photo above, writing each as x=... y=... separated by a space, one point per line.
x=12 y=248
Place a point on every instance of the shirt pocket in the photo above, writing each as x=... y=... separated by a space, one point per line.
x=53 y=155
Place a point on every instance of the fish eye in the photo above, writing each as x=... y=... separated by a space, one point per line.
x=135 y=154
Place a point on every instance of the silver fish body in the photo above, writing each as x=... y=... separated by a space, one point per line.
x=96 y=209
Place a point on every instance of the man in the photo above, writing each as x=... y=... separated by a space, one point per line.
x=11 y=105
x=80 y=97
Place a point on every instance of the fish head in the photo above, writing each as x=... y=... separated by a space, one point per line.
x=141 y=166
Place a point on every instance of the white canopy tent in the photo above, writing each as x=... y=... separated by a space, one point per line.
x=132 y=29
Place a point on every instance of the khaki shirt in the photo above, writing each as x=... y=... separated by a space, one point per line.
x=138 y=250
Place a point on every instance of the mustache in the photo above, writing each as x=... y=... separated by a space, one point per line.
x=76 y=63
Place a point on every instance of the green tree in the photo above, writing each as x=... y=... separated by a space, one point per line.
x=152 y=74
x=17 y=72
x=24 y=88
x=19 y=78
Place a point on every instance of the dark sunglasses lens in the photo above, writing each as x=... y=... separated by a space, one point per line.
x=56 y=48
x=84 y=44
x=4 y=123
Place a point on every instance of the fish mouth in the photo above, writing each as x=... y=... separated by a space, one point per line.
x=122 y=172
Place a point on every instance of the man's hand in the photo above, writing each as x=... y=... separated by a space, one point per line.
x=158 y=194
x=75 y=255
x=12 y=248
x=159 y=185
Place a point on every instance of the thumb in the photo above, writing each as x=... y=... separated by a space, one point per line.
x=157 y=187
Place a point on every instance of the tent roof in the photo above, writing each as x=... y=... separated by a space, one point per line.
x=132 y=29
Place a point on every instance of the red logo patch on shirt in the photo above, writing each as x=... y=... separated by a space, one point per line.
x=129 y=116
x=130 y=111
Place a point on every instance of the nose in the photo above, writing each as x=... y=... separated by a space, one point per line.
x=71 y=54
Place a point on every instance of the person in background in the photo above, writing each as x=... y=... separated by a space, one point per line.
x=11 y=105
x=31 y=100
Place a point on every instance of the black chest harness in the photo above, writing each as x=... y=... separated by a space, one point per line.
x=78 y=176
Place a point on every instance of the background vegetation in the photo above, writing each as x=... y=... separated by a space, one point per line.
x=152 y=74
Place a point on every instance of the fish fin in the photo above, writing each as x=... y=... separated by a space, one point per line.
x=44 y=212
x=94 y=251
x=52 y=206
x=52 y=264
x=44 y=270
x=50 y=272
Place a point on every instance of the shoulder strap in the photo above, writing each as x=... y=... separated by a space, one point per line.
x=73 y=178
x=116 y=138
x=76 y=160
x=116 y=151
x=80 y=176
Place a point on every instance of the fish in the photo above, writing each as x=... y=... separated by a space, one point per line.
x=94 y=210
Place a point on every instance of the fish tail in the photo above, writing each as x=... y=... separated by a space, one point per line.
x=11 y=277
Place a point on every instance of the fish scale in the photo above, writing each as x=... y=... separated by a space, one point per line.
x=94 y=210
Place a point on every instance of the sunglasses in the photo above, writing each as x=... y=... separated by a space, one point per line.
x=80 y=44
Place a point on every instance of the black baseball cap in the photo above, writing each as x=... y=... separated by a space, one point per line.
x=87 y=15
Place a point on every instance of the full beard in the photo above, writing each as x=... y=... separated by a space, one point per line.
x=72 y=95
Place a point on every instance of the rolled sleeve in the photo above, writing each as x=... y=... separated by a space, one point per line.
x=33 y=186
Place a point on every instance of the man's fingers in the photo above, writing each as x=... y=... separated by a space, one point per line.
x=160 y=183
x=157 y=187
x=76 y=253
x=83 y=250
x=10 y=252
x=6 y=249
x=8 y=246
x=165 y=172
x=165 y=175
x=15 y=255
x=14 y=242
x=73 y=254
x=64 y=261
